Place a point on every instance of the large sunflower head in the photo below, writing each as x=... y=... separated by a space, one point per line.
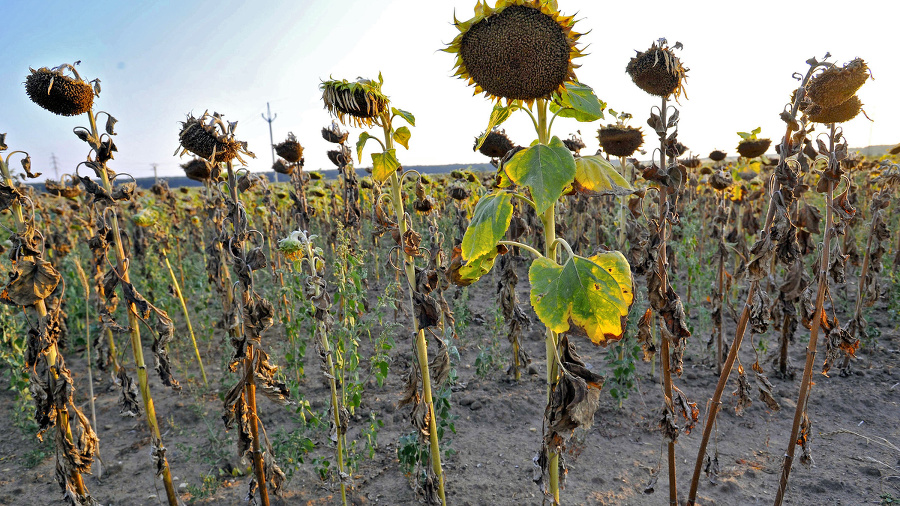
x=836 y=84
x=361 y=100
x=658 y=71
x=59 y=93
x=519 y=50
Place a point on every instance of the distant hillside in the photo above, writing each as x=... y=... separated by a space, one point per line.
x=178 y=181
x=872 y=151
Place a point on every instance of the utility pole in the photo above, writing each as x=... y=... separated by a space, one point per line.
x=269 y=119
x=155 y=177
x=55 y=168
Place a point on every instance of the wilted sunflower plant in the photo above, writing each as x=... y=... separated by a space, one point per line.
x=62 y=94
x=522 y=52
x=659 y=72
x=830 y=100
x=211 y=139
x=361 y=103
x=37 y=288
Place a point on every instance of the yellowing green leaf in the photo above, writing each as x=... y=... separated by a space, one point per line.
x=499 y=114
x=401 y=136
x=465 y=273
x=361 y=143
x=546 y=169
x=488 y=226
x=384 y=164
x=591 y=293
x=595 y=176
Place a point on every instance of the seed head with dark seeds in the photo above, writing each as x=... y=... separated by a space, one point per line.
x=518 y=50
x=196 y=169
x=290 y=149
x=751 y=148
x=717 y=155
x=574 y=144
x=334 y=134
x=495 y=145
x=620 y=140
x=59 y=93
x=836 y=84
x=209 y=137
x=658 y=71
x=838 y=114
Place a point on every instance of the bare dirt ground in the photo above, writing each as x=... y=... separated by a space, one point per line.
x=855 y=421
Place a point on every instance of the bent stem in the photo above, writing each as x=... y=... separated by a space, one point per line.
x=62 y=413
x=136 y=346
x=819 y=315
x=421 y=346
x=715 y=402
x=187 y=317
x=87 y=340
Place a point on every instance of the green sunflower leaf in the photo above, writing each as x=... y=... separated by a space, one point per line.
x=595 y=176
x=545 y=169
x=384 y=164
x=408 y=116
x=593 y=294
x=401 y=136
x=578 y=101
x=488 y=226
x=361 y=143
x=499 y=114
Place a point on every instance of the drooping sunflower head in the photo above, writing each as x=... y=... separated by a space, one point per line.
x=751 y=148
x=836 y=84
x=495 y=145
x=840 y=113
x=290 y=149
x=60 y=94
x=620 y=140
x=361 y=100
x=717 y=155
x=658 y=71
x=210 y=138
x=519 y=50
x=197 y=169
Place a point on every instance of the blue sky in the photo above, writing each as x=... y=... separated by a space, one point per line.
x=158 y=61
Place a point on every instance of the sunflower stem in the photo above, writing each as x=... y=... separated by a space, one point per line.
x=187 y=316
x=806 y=381
x=715 y=402
x=136 y=345
x=420 y=343
x=548 y=219
x=52 y=355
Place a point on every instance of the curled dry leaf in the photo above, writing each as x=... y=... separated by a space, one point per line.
x=742 y=393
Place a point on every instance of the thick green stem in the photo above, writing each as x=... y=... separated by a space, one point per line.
x=548 y=219
x=421 y=345
x=187 y=316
